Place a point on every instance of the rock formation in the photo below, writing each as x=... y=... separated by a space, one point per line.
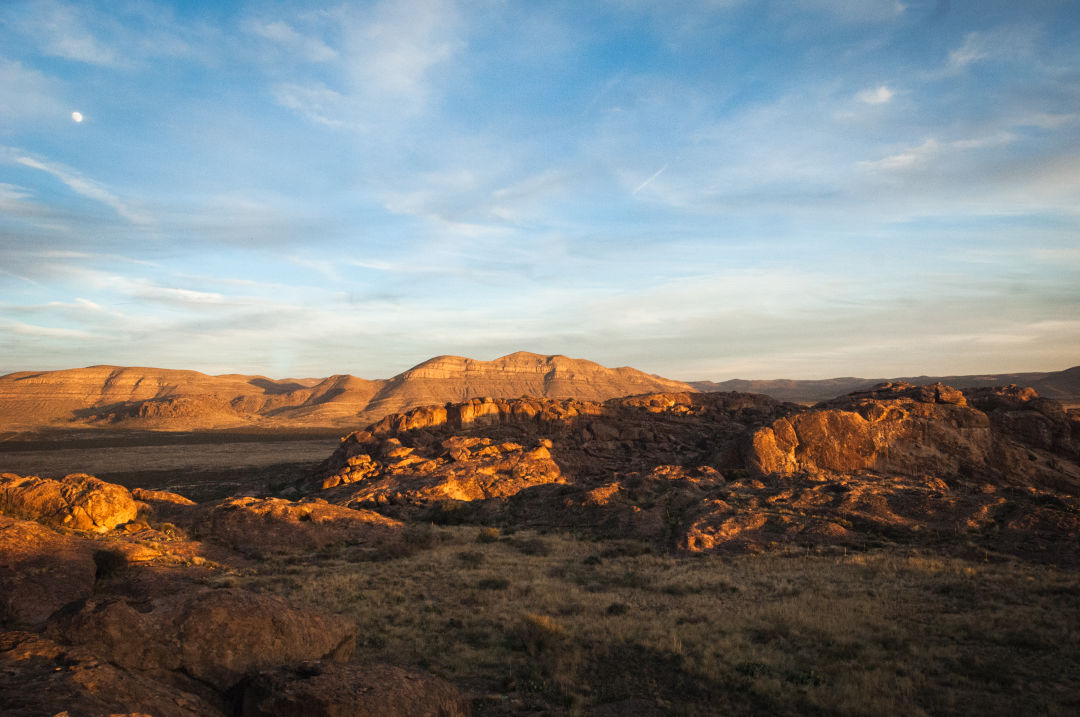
x=260 y=527
x=326 y=689
x=78 y=502
x=729 y=471
x=41 y=571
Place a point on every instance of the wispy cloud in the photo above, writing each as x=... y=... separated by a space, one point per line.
x=908 y=159
x=62 y=31
x=21 y=329
x=86 y=187
x=27 y=94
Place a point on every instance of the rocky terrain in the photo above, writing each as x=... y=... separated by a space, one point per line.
x=529 y=555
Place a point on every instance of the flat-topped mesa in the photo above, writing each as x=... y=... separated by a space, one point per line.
x=455 y=378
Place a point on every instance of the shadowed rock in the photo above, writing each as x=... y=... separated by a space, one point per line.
x=215 y=636
x=265 y=526
x=40 y=571
x=321 y=689
x=41 y=677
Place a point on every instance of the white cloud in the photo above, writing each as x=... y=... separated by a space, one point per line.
x=385 y=61
x=169 y=295
x=317 y=103
x=876 y=96
x=973 y=50
x=85 y=187
x=62 y=32
x=22 y=329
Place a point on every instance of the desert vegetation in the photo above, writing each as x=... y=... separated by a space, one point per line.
x=559 y=624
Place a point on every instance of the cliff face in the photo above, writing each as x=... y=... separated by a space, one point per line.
x=189 y=400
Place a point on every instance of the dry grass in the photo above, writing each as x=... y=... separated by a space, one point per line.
x=535 y=624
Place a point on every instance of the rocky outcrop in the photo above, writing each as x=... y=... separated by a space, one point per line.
x=321 y=689
x=260 y=527
x=907 y=430
x=39 y=676
x=496 y=448
x=78 y=502
x=893 y=428
x=41 y=571
x=214 y=636
x=1021 y=414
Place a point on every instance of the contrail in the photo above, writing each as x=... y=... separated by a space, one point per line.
x=648 y=181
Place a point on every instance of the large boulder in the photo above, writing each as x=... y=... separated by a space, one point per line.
x=215 y=636
x=78 y=502
x=41 y=571
x=41 y=677
x=264 y=526
x=321 y=689
x=894 y=428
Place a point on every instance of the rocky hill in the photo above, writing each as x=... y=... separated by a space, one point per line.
x=152 y=398
x=730 y=471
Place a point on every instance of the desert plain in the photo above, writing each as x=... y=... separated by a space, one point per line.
x=537 y=535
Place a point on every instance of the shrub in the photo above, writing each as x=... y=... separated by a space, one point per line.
x=538 y=633
x=487 y=535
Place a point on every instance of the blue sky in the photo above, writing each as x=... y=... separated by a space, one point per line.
x=704 y=190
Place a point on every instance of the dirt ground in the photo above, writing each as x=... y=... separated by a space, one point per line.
x=201 y=466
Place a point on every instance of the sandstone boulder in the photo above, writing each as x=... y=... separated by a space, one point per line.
x=41 y=571
x=322 y=689
x=78 y=502
x=215 y=636
x=894 y=428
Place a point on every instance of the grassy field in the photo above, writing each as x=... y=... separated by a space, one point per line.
x=551 y=624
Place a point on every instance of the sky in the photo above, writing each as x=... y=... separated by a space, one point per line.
x=703 y=190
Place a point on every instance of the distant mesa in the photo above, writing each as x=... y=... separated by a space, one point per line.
x=165 y=399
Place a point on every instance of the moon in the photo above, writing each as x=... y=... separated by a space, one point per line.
x=77 y=116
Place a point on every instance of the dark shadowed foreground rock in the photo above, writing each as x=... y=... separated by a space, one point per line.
x=215 y=636
x=78 y=502
x=41 y=677
x=264 y=526
x=321 y=689
x=40 y=571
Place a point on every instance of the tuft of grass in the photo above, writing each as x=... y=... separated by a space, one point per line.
x=487 y=535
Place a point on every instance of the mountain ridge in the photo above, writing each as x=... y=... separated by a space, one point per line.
x=139 y=397
x=180 y=399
